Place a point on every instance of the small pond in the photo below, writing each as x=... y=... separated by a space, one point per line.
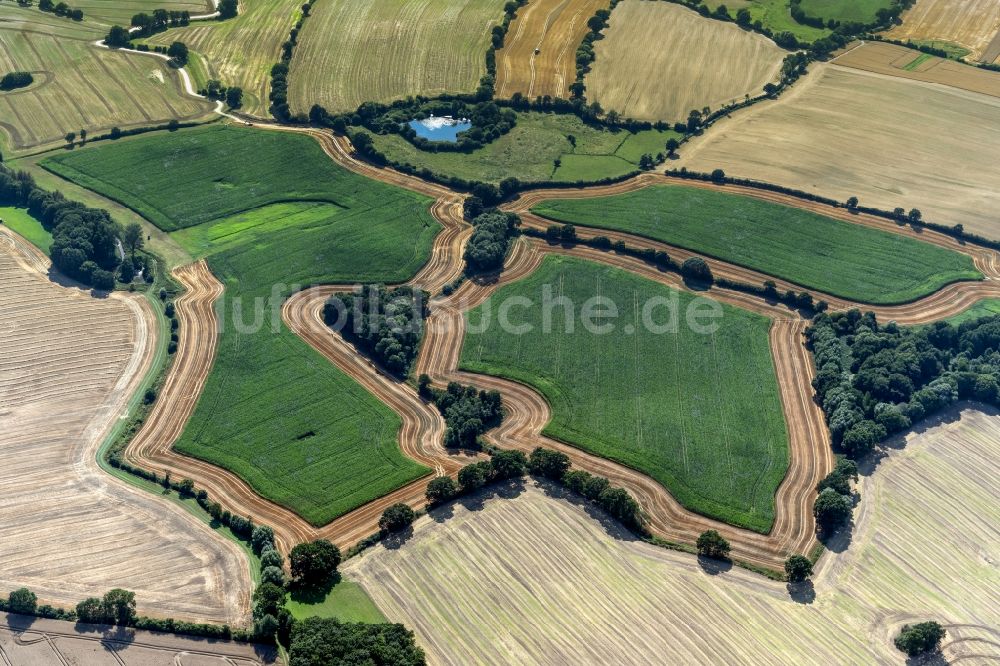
x=440 y=128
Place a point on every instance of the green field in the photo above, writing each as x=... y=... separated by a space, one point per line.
x=839 y=258
x=220 y=170
x=954 y=51
x=19 y=220
x=529 y=151
x=351 y=52
x=346 y=601
x=698 y=412
x=79 y=86
x=916 y=62
x=845 y=11
x=775 y=15
x=276 y=412
x=273 y=410
x=987 y=307
x=121 y=12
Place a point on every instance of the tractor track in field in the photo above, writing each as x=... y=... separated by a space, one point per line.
x=527 y=413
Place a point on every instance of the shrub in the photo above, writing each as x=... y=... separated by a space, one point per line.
x=16 y=80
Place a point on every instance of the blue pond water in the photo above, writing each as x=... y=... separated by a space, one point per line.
x=439 y=129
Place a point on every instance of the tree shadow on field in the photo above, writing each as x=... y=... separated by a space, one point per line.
x=508 y=489
x=714 y=567
x=314 y=594
x=935 y=658
x=442 y=513
x=396 y=540
x=611 y=525
x=839 y=540
x=802 y=593
x=20 y=622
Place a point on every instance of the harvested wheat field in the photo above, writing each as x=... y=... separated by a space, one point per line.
x=890 y=142
x=658 y=61
x=555 y=28
x=78 y=85
x=973 y=24
x=68 y=530
x=884 y=58
x=351 y=52
x=543 y=579
x=241 y=51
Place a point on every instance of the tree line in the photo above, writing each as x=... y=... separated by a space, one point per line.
x=60 y=9
x=83 y=245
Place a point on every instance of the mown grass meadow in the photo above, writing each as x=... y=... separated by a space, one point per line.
x=27 y=226
x=839 y=258
x=530 y=150
x=700 y=413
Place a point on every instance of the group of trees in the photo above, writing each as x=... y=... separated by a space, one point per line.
x=116 y=607
x=386 y=324
x=321 y=641
x=83 y=245
x=158 y=21
x=279 y=71
x=875 y=380
x=467 y=412
x=492 y=234
x=60 y=9
x=14 y=80
x=918 y=639
x=835 y=502
x=232 y=95
x=229 y=8
x=546 y=463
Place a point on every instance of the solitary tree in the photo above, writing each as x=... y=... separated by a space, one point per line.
x=234 y=97
x=314 y=563
x=696 y=268
x=798 y=568
x=90 y=610
x=672 y=146
x=132 y=237
x=831 y=509
x=396 y=517
x=852 y=203
x=473 y=476
x=920 y=638
x=119 y=606
x=712 y=544
x=70 y=137
x=178 y=52
x=914 y=215
x=23 y=601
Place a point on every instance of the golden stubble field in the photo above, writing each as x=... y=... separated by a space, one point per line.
x=537 y=579
x=78 y=85
x=352 y=52
x=891 y=142
x=973 y=24
x=555 y=28
x=68 y=530
x=658 y=61
x=885 y=58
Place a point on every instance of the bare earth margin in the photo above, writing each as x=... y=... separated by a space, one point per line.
x=68 y=530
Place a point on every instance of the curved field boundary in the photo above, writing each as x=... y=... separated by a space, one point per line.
x=810 y=454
